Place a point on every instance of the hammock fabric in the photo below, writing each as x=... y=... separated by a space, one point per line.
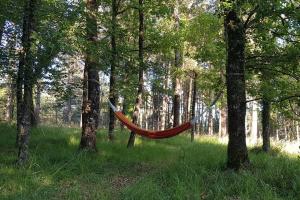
x=152 y=134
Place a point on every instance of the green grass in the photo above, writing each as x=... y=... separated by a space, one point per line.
x=166 y=169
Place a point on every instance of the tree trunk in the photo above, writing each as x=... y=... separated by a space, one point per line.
x=285 y=130
x=164 y=112
x=254 y=121
x=37 y=107
x=176 y=81
x=223 y=121
x=138 y=101
x=164 y=117
x=101 y=100
x=210 y=122
x=90 y=104
x=124 y=110
x=236 y=96
x=266 y=125
x=67 y=113
x=187 y=96
x=25 y=65
x=11 y=81
x=10 y=101
x=147 y=111
x=194 y=107
x=20 y=82
x=112 y=89
x=156 y=106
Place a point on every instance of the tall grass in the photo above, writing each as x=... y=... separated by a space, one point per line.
x=165 y=169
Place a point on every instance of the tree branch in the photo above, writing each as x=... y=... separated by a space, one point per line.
x=297 y=78
x=249 y=17
x=276 y=101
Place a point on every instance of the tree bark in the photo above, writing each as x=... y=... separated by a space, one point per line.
x=124 y=110
x=194 y=107
x=138 y=101
x=90 y=104
x=156 y=106
x=223 y=121
x=125 y=95
x=67 y=113
x=26 y=65
x=37 y=108
x=236 y=97
x=266 y=125
x=254 y=121
x=10 y=101
x=112 y=89
x=164 y=105
x=210 y=123
x=187 y=96
x=178 y=64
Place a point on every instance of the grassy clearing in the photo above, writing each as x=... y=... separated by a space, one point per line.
x=166 y=169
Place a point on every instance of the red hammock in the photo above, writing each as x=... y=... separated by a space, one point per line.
x=152 y=134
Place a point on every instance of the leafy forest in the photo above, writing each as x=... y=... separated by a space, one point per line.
x=140 y=99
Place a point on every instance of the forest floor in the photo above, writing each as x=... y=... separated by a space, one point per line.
x=166 y=169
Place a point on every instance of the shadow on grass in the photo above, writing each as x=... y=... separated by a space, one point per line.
x=173 y=168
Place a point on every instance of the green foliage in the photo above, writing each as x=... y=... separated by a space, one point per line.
x=272 y=62
x=166 y=169
x=205 y=33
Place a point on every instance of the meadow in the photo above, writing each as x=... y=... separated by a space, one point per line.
x=162 y=169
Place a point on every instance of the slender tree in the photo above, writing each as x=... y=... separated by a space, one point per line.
x=138 y=101
x=12 y=66
x=194 y=99
x=24 y=98
x=37 y=108
x=178 y=64
x=91 y=90
x=10 y=100
x=254 y=123
x=266 y=107
x=112 y=86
